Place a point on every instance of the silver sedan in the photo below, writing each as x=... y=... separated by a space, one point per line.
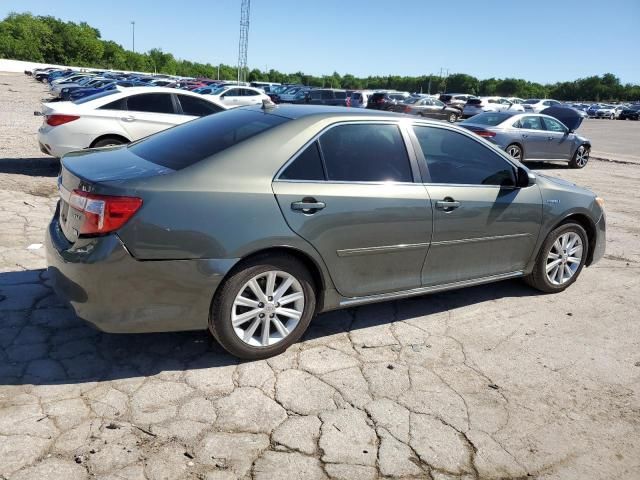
x=534 y=136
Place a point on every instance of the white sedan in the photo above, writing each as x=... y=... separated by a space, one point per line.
x=238 y=96
x=115 y=117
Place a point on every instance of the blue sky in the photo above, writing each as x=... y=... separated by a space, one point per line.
x=539 y=40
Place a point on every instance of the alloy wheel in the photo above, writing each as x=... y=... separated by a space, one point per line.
x=582 y=156
x=564 y=258
x=267 y=308
x=515 y=152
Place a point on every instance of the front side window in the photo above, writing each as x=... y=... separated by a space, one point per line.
x=327 y=95
x=455 y=158
x=234 y=92
x=365 y=153
x=315 y=95
x=306 y=166
x=554 y=125
x=151 y=102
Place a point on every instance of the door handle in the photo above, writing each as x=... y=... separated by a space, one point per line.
x=308 y=205
x=549 y=138
x=524 y=135
x=448 y=204
x=128 y=119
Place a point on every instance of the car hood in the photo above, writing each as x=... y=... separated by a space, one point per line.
x=563 y=184
x=571 y=117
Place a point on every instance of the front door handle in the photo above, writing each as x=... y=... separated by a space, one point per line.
x=549 y=138
x=448 y=204
x=524 y=135
x=308 y=205
x=128 y=119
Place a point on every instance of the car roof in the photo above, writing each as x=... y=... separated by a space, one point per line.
x=294 y=112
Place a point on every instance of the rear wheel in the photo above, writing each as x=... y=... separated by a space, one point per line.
x=263 y=307
x=580 y=158
x=515 y=151
x=108 y=142
x=561 y=259
x=453 y=118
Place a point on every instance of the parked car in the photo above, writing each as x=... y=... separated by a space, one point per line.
x=326 y=96
x=533 y=136
x=607 y=111
x=386 y=100
x=477 y=105
x=290 y=94
x=66 y=92
x=246 y=233
x=536 y=105
x=360 y=98
x=455 y=100
x=233 y=96
x=428 y=107
x=115 y=117
x=630 y=113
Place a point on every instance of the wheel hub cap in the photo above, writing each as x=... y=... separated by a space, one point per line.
x=564 y=258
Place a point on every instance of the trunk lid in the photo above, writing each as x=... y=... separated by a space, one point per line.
x=102 y=171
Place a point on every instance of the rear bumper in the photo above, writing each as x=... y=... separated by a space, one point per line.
x=107 y=287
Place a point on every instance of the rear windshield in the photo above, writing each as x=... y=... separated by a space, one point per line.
x=489 y=118
x=186 y=144
x=474 y=101
x=95 y=96
x=531 y=101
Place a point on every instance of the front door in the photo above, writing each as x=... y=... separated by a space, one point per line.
x=355 y=201
x=482 y=224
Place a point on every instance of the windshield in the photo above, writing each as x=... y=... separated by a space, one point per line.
x=531 y=101
x=488 y=118
x=191 y=142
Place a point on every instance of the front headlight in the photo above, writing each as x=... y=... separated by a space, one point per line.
x=600 y=201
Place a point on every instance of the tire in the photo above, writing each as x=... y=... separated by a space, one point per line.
x=581 y=157
x=514 y=150
x=552 y=282
x=227 y=304
x=108 y=142
x=453 y=118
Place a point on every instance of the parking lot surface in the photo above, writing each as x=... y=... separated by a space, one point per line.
x=490 y=382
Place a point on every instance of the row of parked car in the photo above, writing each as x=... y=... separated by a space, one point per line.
x=98 y=109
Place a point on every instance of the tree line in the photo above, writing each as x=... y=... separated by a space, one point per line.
x=47 y=39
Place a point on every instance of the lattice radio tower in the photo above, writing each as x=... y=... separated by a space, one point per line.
x=243 y=46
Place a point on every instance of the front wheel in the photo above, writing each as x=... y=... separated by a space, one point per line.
x=264 y=307
x=515 y=151
x=580 y=158
x=453 y=118
x=561 y=259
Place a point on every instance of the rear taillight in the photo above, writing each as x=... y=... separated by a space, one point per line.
x=103 y=213
x=485 y=133
x=55 y=120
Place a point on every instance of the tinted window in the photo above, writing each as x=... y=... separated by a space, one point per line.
x=249 y=93
x=488 y=118
x=307 y=166
x=341 y=95
x=151 y=102
x=234 y=92
x=365 y=153
x=455 y=158
x=120 y=104
x=327 y=95
x=554 y=125
x=186 y=144
x=197 y=106
x=315 y=95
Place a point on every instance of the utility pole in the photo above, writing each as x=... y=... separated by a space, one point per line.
x=218 y=71
x=133 y=35
x=243 y=44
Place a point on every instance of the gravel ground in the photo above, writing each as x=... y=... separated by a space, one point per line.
x=491 y=382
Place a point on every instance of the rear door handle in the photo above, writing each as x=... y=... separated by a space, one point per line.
x=549 y=138
x=128 y=119
x=447 y=204
x=524 y=135
x=308 y=206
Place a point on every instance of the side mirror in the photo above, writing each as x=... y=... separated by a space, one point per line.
x=525 y=178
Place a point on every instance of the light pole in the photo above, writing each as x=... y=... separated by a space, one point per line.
x=133 y=35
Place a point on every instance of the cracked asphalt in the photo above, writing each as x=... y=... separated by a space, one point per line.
x=491 y=382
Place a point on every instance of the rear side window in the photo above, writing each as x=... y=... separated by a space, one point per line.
x=120 y=104
x=327 y=95
x=186 y=144
x=306 y=166
x=341 y=95
x=196 y=106
x=457 y=159
x=151 y=102
x=365 y=153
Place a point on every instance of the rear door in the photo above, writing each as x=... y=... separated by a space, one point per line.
x=250 y=97
x=482 y=224
x=148 y=113
x=351 y=194
x=233 y=97
x=533 y=137
x=559 y=143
